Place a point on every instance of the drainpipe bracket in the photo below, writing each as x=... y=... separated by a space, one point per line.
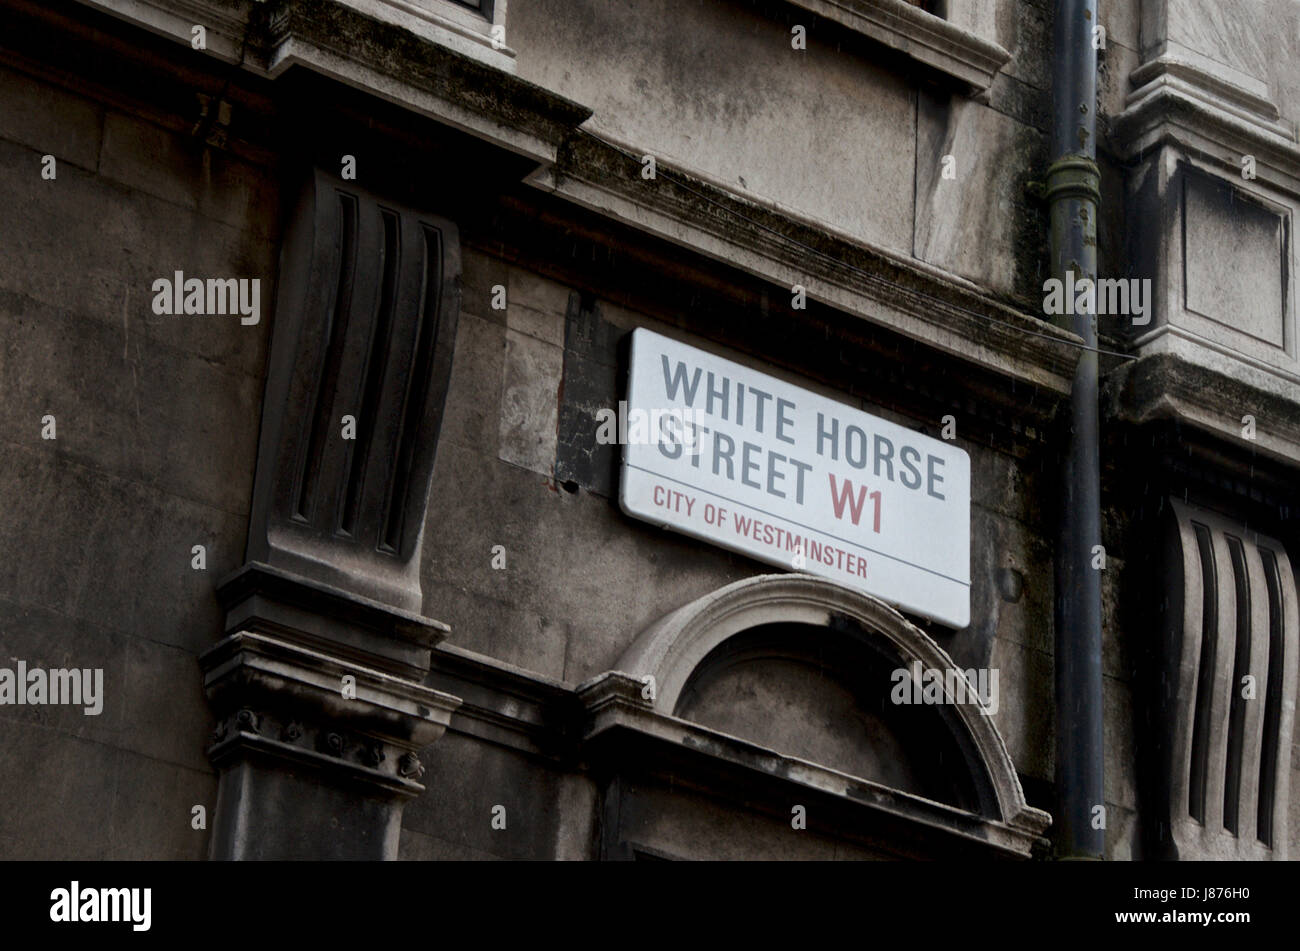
x=1073 y=176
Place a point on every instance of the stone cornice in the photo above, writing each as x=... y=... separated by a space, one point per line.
x=393 y=63
x=1216 y=84
x=904 y=295
x=507 y=705
x=378 y=694
x=279 y=699
x=1166 y=386
x=619 y=720
x=386 y=59
x=225 y=22
x=316 y=614
x=1219 y=117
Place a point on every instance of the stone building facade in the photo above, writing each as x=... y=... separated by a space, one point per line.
x=437 y=635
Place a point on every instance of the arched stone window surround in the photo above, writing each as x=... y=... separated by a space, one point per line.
x=672 y=648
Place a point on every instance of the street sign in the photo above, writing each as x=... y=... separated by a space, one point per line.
x=745 y=461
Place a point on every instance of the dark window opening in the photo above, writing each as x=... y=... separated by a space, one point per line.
x=482 y=6
x=937 y=7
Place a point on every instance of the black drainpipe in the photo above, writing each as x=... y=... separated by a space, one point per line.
x=1073 y=194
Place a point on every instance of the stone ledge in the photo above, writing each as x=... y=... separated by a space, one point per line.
x=618 y=723
x=507 y=705
x=276 y=698
x=1216 y=84
x=319 y=616
x=447 y=23
x=929 y=40
x=913 y=299
x=405 y=68
x=1171 y=386
x=384 y=57
x=224 y=21
x=1219 y=116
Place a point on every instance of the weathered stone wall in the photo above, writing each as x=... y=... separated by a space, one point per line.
x=834 y=133
x=158 y=417
x=156 y=422
x=582 y=579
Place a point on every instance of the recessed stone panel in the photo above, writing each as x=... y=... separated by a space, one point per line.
x=1235 y=259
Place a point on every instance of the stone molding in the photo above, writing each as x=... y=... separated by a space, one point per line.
x=904 y=295
x=279 y=699
x=670 y=650
x=1173 y=385
x=506 y=705
x=588 y=725
x=261 y=597
x=923 y=37
x=1193 y=98
x=619 y=717
x=225 y=22
x=382 y=48
x=334 y=39
x=1188 y=124
x=448 y=24
x=1211 y=116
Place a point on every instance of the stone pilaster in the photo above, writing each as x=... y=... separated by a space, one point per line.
x=321 y=717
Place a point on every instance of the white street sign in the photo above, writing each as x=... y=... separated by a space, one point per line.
x=742 y=460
